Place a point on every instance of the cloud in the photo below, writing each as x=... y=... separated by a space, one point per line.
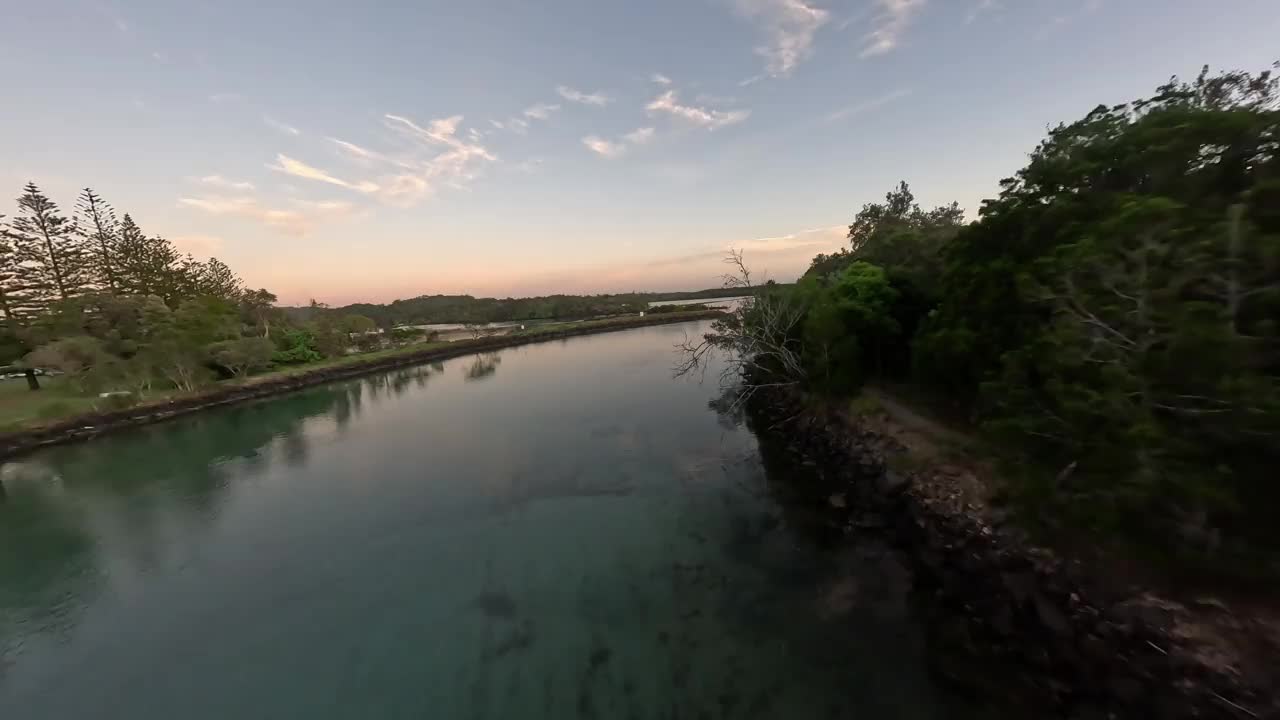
x=297 y=168
x=438 y=157
x=602 y=147
x=866 y=106
x=823 y=236
x=201 y=246
x=226 y=97
x=541 y=111
x=282 y=127
x=295 y=222
x=223 y=183
x=597 y=99
x=790 y=26
x=703 y=117
x=618 y=148
x=660 y=79
x=498 y=124
x=639 y=136
x=891 y=22
x=354 y=150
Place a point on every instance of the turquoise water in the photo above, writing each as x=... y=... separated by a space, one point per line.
x=556 y=531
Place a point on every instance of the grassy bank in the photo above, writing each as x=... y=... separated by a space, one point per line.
x=59 y=413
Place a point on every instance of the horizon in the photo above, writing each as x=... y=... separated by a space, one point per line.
x=329 y=151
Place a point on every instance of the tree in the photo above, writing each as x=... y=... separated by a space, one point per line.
x=1114 y=310
x=243 y=355
x=103 y=231
x=901 y=237
x=150 y=265
x=51 y=246
x=80 y=357
x=215 y=279
x=258 y=307
x=848 y=325
x=181 y=345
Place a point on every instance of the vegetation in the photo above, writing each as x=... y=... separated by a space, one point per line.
x=1113 y=316
x=469 y=310
x=118 y=312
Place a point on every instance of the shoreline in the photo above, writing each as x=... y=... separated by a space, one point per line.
x=1010 y=619
x=88 y=426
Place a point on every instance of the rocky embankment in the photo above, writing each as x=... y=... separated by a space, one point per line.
x=1011 y=621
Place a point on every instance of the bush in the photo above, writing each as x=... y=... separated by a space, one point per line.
x=242 y=356
x=296 y=347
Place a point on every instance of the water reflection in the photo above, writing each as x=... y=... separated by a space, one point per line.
x=124 y=496
x=483 y=366
x=577 y=536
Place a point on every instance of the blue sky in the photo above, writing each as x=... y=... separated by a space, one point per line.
x=367 y=151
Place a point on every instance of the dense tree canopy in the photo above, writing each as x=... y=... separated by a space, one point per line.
x=1114 y=313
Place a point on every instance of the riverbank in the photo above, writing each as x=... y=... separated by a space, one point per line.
x=83 y=426
x=1008 y=617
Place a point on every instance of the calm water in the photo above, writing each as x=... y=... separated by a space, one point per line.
x=558 y=531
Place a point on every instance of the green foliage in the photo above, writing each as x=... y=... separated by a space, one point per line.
x=1115 y=310
x=295 y=347
x=848 y=326
x=83 y=359
x=242 y=356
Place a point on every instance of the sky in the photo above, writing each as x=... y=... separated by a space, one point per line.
x=366 y=151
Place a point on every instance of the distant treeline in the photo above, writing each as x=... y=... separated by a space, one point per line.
x=467 y=309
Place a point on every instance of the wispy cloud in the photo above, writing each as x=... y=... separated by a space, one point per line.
x=354 y=150
x=825 y=236
x=297 y=168
x=577 y=96
x=618 y=148
x=891 y=22
x=541 y=111
x=790 y=26
x=296 y=221
x=667 y=102
x=639 y=136
x=282 y=127
x=223 y=183
x=225 y=97
x=602 y=147
x=866 y=106
x=438 y=157
x=660 y=79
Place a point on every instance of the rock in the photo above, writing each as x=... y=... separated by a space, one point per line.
x=892 y=483
x=1051 y=617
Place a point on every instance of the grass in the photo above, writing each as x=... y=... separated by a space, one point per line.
x=57 y=398
x=59 y=401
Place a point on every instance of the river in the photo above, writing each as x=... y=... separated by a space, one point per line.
x=557 y=531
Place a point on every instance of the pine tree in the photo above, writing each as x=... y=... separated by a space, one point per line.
x=103 y=230
x=50 y=246
x=149 y=265
x=216 y=279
